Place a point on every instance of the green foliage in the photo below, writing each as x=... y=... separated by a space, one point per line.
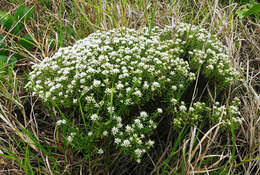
x=254 y=10
x=249 y=9
x=27 y=42
x=24 y=13
x=108 y=73
x=9 y=22
x=14 y=26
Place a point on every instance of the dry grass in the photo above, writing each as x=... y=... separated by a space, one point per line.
x=199 y=150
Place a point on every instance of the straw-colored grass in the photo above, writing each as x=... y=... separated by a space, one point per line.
x=29 y=140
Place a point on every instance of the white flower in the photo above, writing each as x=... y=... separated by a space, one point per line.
x=155 y=85
x=96 y=83
x=138 y=152
x=183 y=108
x=111 y=109
x=82 y=81
x=100 y=151
x=174 y=87
x=60 y=122
x=118 y=119
x=173 y=100
x=119 y=86
x=128 y=128
x=126 y=143
x=128 y=89
x=140 y=125
x=114 y=130
x=137 y=121
x=137 y=93
x=119 y=125
x=143 y=114
x=159 y=110
x=70 y=138
x=114 y=63
x=94 y=117
x=73 y=134
x=105 y=133
x=117 y=140
x=191 y=109
x=150 y=143
x=146 y=85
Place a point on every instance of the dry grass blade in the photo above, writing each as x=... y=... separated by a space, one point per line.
x=16 y=129
x=202 y=153
x=60 y=23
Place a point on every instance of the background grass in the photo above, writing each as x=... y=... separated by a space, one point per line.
x=29 y=142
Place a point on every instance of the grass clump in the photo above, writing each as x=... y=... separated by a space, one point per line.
x=111 y=76
x=86 y=138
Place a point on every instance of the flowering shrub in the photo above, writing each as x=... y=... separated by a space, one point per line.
x=109 y=73
x=199 y=110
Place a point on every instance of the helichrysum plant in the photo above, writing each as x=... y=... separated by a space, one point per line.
x=108 y=74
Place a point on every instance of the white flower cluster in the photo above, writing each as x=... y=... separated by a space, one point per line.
x=133 y=67
x=191 y=115
x=61 y=122
x=114 y=59
x=227 y=114
x=207 y=53
x=118 y=59
x=131 y=138
x=199 y=111
x=71 y=136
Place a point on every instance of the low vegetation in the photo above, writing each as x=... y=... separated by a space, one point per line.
x=129 y=87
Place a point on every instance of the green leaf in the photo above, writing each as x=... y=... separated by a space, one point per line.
x=18 y=56
x=23 y=12
x=12 y=60
x=3 y=16
x=27 y=42
x=3 y=58
x=52 y=43
x=8 y=21
x=4 y=51
x=255 y=9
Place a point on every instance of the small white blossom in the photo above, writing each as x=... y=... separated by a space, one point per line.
x=69 y=138
x=90 y=133
x=128 y=128
x=100 y=151
x=96 y=83
x=183 y=108
x=174 y=87
x=143 y=114
x=105 y=133
x=94 y=117
x=138 y=152
x=159 y=110
x=117 y=140
x=60 y=122
x=114 y=130
x=150 y=143
x=126 y=143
